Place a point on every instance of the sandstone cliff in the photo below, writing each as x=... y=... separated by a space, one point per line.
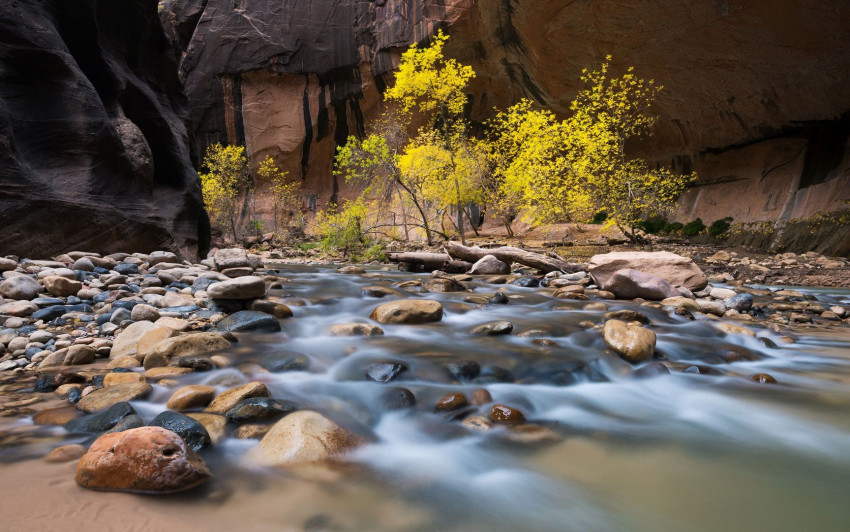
x=756 y=97
x=94 y=148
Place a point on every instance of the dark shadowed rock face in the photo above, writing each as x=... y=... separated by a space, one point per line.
x=755 y=91
x=94 y=149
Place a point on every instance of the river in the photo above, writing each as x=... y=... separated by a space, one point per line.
x=695 y=451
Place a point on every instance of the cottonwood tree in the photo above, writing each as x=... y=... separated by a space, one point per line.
x=227 y=187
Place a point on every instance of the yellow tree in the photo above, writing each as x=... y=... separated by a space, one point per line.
x=444 y=178
x=373 y=164
x=227 y=186
x=570 y=169
x=284 y=191
x=434 y=86
x=607 y=113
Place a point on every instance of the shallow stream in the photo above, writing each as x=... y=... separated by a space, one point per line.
x=706 y=450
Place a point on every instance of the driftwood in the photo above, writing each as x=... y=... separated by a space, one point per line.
x=509 y=254
x=429 y=262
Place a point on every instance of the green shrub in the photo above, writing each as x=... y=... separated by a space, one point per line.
x=376 y=251
x=599 y=218
x=652 y=226
x=671 y=228
x=693 y=228
x=718 y=227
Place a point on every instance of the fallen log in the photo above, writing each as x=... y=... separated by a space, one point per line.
x=509 y=254
x=429 y=262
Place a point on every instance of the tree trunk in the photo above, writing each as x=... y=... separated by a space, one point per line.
x=509 y=254
x=429 y=262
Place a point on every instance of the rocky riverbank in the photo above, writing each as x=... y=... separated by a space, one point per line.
x=85 y=337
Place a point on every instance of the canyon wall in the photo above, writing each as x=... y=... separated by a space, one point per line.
x=756 y=98
x=94 y=142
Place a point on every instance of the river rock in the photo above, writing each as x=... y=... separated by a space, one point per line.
x=681 y=302
x=632 y=284
x=351 y=270
x=490 y=265
x=631 y=342
x=379 y=291
x=78 y=355
x=230 y=258
x=451 y=401
x=396 y=398
x=130 y=422
x=192 y=396
x=303 y=437
x=18 y=308
x=385 y=371
x=355 y=329
x=230 y=398
x=506 y=415
x=281 y=362
x=7 y=265
x=20 y=287
x=101 y=421
x=106 y=397
x=215 y=424
x=191 y=430
x=142 y=460
x=493 y=328
x=144 y=313
x=127 y=341
x=408 y=311
x=60 y=286
x=249 y=320
x=150 y=339
x=65 y=453
x=259 y=409
x=443 y=285
x=763 y=378
x=248 y=287
x=739 y=302
x=731 y=328
x=161 y=353
x=675 y=269
x=124 y=377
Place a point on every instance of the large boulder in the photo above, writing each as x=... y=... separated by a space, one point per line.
x=141 y=460
x=303 y=437
x=632 y=284
x=409 y=311
x=675 y=269
x=100 y=161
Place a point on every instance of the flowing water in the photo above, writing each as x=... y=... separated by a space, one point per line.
x=686 y=451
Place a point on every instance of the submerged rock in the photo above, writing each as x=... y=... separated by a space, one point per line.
x=408 y=311
x=142 y=460
x=494 y=328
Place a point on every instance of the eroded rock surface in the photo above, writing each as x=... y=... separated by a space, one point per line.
x=95 y=150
